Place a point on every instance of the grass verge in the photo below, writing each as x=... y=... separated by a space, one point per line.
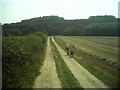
x=102 y=70
x=65 y=75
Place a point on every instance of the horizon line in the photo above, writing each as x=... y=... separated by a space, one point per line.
x=53 y=15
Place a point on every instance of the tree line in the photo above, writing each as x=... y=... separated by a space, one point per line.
x=106 y=25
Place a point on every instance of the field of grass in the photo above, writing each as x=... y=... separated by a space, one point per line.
x=65 y=75
x=104 y=47
x=22 y=58
x=89 y=51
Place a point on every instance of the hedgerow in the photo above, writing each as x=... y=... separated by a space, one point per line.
x=22 y=58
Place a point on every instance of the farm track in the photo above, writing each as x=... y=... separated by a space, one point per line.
x=48 y=77
x=110 y=53
x=85 y=78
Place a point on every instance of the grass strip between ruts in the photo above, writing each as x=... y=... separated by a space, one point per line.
x=65 y=75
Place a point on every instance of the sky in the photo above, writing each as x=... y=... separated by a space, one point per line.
x=12 y=11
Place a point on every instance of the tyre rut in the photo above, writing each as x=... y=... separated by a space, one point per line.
x=48 y=77
x=84 y=77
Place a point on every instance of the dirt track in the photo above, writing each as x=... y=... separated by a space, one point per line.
x=48 y=77
x=85 y=78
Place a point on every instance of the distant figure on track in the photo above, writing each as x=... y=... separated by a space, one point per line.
x=72 y=52
x=67 y=49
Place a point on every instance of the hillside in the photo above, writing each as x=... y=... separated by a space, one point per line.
x=54 y=25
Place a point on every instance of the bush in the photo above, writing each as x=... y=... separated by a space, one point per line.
x=22 y=58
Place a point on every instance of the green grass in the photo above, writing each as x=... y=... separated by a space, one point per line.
x=22 y=58
x=106 y=73
x=65 y=75
x=99 y=72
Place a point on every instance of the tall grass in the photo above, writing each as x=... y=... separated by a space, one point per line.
x=21 y=59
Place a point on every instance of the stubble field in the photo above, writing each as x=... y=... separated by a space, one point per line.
x=98 y=54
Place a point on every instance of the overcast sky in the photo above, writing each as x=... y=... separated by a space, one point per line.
x=16 y=10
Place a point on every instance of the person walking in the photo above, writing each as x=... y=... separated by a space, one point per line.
x=72 y=52
x=67 y=49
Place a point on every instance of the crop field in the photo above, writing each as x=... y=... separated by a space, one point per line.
x=99 y=55
x=104 y=47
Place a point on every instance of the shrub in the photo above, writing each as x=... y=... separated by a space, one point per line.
x=22 y=58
